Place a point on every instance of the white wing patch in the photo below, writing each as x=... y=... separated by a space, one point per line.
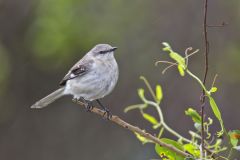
x=72 y=75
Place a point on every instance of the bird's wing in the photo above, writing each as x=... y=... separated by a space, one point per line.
x=79 y=69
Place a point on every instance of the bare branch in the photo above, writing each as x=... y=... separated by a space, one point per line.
x=115 y=119
x=206 y=43
x=223 y=24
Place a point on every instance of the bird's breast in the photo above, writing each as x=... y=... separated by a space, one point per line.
x=97 y=83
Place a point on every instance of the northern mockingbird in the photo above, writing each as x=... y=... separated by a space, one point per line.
x=91 y=78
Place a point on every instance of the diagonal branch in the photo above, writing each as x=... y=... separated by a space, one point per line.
x=115 y=119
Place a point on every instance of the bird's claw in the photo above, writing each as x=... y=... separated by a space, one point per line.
x=75 y=100
x=107 y=113
x=88 y=107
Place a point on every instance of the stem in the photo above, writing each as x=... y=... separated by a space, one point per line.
x=149 y=87
x=164 y=125
x=205 y=73
x=205 y=41
x=199 y=81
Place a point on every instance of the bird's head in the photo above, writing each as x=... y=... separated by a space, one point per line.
x=103 y=51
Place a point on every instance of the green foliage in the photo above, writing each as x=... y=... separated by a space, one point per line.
x=181 y=67
x=150 y=118
x=234 y=137
x=142 y=139
x=217 y=113
x=194 y=115
x=192 y=149
x=136 y=106
x=159 y=94
x=206 y=127
x=53 y=33
x=167 y=154
x=181 y=64
x=181 y=70
x=141 y=93
x=213 y=90
x=62 y=30
x=213 y=144
x=175 y=56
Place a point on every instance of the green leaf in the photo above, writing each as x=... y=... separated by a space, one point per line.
x=156 y=126
x=179 y=59
x=213 y=90
x=141 y=93
x=194 y=114
x=141 y=138
x=167 y=47
x=234 y=137
x=167 y=154
x=159 y=94
x=192 y=150
x=150 y=118
x=136 y=106
x=175 y=56
x=217 y=113
x=149 y=88
x=181 y=70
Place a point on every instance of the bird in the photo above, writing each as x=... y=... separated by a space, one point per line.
x=92 y=78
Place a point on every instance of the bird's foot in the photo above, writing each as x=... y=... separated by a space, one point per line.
x=87 y=104
x=75 y=100
x=88 y=107
x=106 y=111
x=78 y=100
x=107 y=114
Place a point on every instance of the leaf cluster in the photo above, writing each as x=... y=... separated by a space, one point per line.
x=213 y=141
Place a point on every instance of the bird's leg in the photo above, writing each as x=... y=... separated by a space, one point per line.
x=75 y=100
x=106 y=110
x=88 y=104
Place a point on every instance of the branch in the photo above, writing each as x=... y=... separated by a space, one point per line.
x=206 y=43
x=223 y=24
x=115 y=119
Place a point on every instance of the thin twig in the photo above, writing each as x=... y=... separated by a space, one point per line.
x=149 y=87
x=163 y=72
x=205 y=73
x=115 y=119
x=214 y=80
x=167 y=62
x=171 y=64
x=187 y=55
x=218 y=25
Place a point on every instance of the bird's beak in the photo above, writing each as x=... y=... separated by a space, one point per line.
x=113 y=48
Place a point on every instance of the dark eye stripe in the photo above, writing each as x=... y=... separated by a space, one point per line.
x=106 y=51
x=102 y=52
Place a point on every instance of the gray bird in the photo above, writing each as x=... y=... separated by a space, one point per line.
x=91 y=78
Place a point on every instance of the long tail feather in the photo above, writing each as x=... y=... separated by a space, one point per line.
x=49 y=99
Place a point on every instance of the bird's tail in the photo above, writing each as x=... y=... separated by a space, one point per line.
x=49 y=99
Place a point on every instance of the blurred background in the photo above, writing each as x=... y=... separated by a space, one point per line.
x=41 y=39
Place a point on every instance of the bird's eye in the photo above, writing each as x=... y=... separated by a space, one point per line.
x=102 y=52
